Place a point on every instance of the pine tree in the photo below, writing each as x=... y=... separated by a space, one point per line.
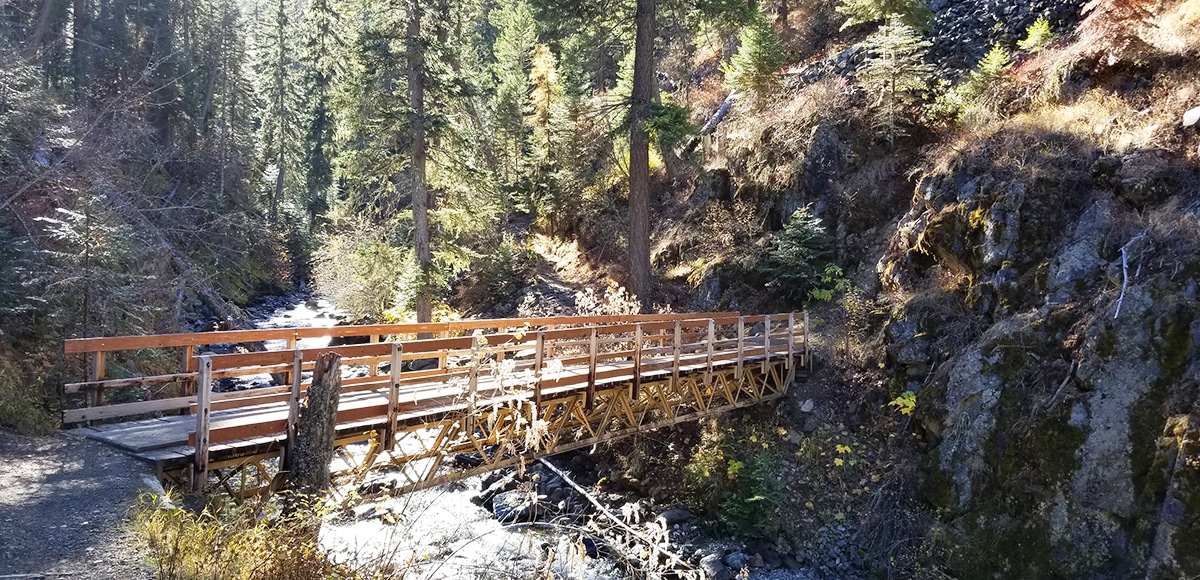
x=895 y=76
x=322 y=52
x=913 y=13
x=513 y=51
x=275 y=68
x=755 y=65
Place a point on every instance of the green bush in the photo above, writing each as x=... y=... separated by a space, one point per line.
x=798 y=266
x=1039 y=35
x=21 y=404
x=360 y=271
x=731 y=478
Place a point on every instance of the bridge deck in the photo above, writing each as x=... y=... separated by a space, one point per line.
x=606 y=381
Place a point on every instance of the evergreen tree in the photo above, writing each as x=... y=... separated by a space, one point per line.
x=276 y=69
x=755 y=65
x=322 y=51
x=913 y=13
x=513 y=51
x=895 y=76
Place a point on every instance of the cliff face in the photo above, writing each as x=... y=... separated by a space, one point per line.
x=1046 y=281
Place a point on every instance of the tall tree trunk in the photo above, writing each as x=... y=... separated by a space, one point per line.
x=316 y=432
x=39 y=29
x=81 y=19
x=639 y=154
x=420 y=190
x=280 y=111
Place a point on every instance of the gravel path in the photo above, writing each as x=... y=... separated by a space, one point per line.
x=63 y=507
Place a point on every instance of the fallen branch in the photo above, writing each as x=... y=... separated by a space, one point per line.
x=1125 y=271
x=676 y=560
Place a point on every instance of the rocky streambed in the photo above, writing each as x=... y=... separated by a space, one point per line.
x=563 y=519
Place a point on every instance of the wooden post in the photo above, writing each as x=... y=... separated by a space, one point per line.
x=96 y=373
x=374 y=369
x=807 y=355
x=637 y=360
x=293 y=408
x=537 y=374
x=741 y=352
x=203 y=408
x=678 y=345
x=316 y=431
x=791 y=339
x=291 y=345
x=393 y=412
x=550 y=352
x=712 y=337
x=766 y=365
x=189 y=386
x=591 y=387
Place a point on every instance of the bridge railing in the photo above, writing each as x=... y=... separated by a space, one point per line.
x=544 y=364
x=97 y=350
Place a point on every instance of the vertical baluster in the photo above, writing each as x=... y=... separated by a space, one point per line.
x=293 y=408
x=203 y=408
x=393 y=397
x=791 y=339
x=766 y=344
x=538 y=359
x=637 y=360
x=741 y=347
x=590 y=402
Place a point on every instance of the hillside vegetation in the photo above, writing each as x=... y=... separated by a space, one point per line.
x=991 y=209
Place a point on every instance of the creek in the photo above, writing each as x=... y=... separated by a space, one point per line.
x=506 y=524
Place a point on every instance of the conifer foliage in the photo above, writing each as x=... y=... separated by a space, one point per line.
x=895 y=77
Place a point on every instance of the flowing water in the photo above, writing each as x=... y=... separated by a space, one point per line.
x=435 y=533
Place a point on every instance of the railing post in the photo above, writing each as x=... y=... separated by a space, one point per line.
x=374 y=367
x=203 y=408
x=538 y=359
x=741 y=352
x=96 y=373
x=637 y=360
x=189 y=385
x=293 y=408
x=807 y=355
x=791 y=339
x=675 y=364
x=712 y=337
x=766 y=366
x=393 y=413
x=291 y=345
x=590 y=402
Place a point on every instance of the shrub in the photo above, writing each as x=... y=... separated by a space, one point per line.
x=974 y=95
x=232 y=543
x=913 y=13
x=732 y=478
x=799 y=263
x=21 y=404
x=1037 y=36
x=360 y=271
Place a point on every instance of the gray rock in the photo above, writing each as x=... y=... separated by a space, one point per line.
x=737 y=560
x=807 y=407
x=515 y=506
x=714 y=569
x=674 y=516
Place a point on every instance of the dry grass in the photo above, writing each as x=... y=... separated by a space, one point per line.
x=234 y=543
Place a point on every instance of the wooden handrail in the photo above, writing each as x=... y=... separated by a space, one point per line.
x=116 y=343
x=691 y=339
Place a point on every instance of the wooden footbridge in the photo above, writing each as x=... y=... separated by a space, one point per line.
x=483 y=394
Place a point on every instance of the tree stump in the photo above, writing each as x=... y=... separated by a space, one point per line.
x=315 y=433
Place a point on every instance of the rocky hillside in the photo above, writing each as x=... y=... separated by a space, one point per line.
x=1044 y=284
x=1030 y=273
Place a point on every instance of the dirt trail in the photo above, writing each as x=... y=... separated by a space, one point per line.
x=63 y=507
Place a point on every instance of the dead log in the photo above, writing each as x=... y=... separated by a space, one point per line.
x=312 y=449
